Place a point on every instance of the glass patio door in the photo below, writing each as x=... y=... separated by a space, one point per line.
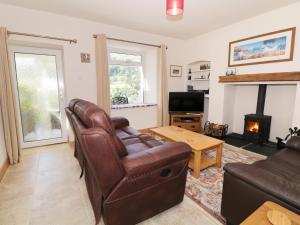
x=38 y=78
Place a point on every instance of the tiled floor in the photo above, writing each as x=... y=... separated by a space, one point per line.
x=45 y=189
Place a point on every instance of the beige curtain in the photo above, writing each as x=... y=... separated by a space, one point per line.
x=103 y=90
x=163 y=114
x=8 y=103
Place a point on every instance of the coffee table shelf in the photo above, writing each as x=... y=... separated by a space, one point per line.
x=206 y=161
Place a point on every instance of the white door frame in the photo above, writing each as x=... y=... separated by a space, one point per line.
x=60 y=78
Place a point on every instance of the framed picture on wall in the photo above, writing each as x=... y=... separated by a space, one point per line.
x=175 y=71
x=277 y=46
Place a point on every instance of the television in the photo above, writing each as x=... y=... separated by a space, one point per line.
x=186 y=102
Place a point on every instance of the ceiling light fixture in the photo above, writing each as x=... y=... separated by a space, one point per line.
x=175 y=7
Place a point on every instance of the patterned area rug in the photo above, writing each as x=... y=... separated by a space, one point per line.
x=206 y=190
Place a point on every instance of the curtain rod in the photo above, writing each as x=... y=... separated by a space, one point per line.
x=43 y=36
x=133 y=42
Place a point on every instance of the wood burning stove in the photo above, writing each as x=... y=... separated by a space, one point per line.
x=257 y=126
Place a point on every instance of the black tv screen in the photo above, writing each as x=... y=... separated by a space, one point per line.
x=185 y=102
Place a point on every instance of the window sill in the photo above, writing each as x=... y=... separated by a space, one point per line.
x=128 y=106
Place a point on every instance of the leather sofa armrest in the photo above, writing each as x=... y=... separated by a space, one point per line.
x=294 y=143
x=119 y=122
x=155 y=158
x=285 y=189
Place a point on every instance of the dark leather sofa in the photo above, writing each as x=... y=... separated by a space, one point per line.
x=276 y=179
x=129 y=176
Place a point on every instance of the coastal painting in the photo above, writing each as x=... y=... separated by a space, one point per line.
x=277 y=46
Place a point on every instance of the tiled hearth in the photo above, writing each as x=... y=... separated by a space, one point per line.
x=237 y=140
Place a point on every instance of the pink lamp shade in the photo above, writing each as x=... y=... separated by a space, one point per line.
x=175 y=7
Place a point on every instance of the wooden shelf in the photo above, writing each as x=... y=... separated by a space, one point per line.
x=283 y=76
x=200 y=79
x=193 y=123
x=200 y=71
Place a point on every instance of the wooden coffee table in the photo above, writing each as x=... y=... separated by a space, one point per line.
x=199 y=143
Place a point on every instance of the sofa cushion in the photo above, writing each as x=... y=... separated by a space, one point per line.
x=137 y=143
x=119 y=122
x=131 y=131
x=122 y=134
x=136 y=147
x=94 y=117
x=288 y=157
x=127 y=131
x=149 y=140
x=285 y=189
x=280 y=168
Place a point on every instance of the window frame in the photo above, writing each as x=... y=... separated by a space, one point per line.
x=122 y=63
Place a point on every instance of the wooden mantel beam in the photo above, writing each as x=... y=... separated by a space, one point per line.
x=281 y=76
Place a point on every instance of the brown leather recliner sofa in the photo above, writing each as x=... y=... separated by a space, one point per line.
x=276 y=179
x=129 y=176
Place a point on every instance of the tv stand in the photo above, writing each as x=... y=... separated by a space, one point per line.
x=189 y=121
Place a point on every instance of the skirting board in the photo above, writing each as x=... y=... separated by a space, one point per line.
x=4 y=168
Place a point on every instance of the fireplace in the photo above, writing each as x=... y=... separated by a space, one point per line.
x=257 y=126
x=252 y=126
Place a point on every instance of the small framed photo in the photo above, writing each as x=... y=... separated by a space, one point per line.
x=231 y=71
x=85 y=57
x=175 y=71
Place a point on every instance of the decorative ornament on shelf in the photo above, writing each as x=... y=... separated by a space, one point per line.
x=190 y=74
x=175 y=7
x=230 y=71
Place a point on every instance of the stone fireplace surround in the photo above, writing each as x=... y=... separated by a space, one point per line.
x=282 y=101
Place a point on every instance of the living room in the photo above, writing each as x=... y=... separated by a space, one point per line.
x=43 y=183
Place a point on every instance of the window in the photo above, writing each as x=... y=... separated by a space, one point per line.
x=126 y=77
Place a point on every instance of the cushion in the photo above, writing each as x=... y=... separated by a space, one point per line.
x=94 y=117
x=137 y=143
x=273 y=182
x=122 y=134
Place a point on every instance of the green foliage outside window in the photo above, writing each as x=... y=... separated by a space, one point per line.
x=126 y=80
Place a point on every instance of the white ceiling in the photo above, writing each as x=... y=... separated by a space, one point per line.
x=200 y=16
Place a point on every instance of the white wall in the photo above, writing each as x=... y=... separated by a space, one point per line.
x=3 y=154
x=80 y=78
x=280 y=102
x=213 y=46
x=139 y=118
